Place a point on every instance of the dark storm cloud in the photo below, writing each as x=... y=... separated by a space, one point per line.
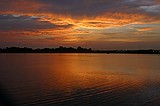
x=17 y=22
x=95 y=7
x=82 y=7
x=77 y=8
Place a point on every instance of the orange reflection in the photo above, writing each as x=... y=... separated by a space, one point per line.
x=68 y=72
x=81 y=78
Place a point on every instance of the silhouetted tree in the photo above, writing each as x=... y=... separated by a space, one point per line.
x=79 y=49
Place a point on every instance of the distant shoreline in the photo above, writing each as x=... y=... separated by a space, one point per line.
x=75 y=50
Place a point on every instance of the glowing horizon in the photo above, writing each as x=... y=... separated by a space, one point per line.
x=103 y=24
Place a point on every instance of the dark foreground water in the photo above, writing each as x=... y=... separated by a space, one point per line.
x=79 y=80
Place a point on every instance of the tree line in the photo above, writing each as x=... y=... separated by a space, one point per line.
x=62 y=49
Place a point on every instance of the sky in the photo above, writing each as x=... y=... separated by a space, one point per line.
x=97 y=24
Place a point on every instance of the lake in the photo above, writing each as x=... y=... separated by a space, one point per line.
x=79 y=79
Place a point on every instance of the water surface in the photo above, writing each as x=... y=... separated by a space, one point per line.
x=80 y=79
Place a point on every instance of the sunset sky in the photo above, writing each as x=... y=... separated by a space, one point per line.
x=99 y=24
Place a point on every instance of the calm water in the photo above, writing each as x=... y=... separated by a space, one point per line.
x=79 y=79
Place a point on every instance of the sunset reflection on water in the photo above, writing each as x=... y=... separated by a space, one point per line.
x=81 y=79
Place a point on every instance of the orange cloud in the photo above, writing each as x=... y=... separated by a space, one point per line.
x=71 y=22
x=145 y=29
x=20 y=6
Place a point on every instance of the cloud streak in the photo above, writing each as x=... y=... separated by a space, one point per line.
x=75 y=21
